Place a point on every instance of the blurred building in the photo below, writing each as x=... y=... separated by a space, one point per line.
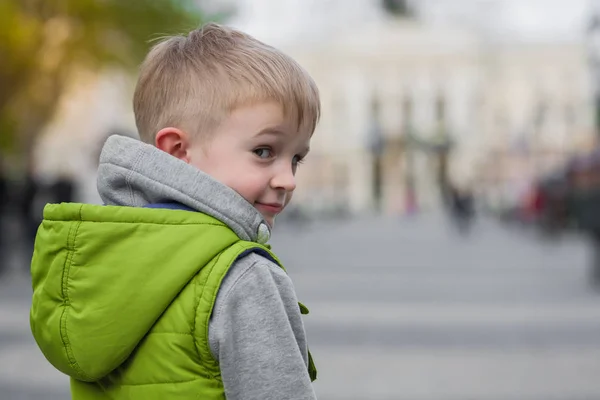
x=408 y=105
x=535 y=112
x=507 y=107
x=395 y=90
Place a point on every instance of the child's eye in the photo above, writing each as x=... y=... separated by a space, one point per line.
x=298 y=160
x=263 y=153
x=295 y=161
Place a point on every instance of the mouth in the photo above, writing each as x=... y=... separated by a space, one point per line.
x=270 y=208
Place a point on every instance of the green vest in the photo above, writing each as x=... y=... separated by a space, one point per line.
x=123 y=297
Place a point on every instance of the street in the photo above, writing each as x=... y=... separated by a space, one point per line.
x=406 y=309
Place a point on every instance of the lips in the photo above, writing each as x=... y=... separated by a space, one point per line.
x=271 y=208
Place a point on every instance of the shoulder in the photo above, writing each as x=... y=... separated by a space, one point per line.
x=255 y=282
x=254 y=289
x=253 y=269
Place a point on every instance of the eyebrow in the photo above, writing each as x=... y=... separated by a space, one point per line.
x=270 y=131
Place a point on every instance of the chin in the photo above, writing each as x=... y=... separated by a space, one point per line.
x=270 y=221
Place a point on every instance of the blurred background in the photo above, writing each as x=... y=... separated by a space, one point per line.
x=446 y=226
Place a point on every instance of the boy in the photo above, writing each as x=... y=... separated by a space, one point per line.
x=166 y=291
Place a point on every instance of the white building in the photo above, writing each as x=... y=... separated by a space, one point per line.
x=419 y=77
x=495 y=93
x=491 y=97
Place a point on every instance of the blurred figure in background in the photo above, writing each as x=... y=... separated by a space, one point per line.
x=533 y=205
x=3 y=207
x=29 y=213
x=62 y=190
x=462 y=208
x=35 y=194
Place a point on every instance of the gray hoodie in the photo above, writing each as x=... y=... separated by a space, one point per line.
x=256 y=301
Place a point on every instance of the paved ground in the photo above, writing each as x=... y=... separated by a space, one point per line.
x=405 y=309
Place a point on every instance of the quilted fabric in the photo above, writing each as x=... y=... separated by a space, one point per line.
x=119 y=314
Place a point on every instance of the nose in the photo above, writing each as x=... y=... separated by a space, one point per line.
x=284 y=179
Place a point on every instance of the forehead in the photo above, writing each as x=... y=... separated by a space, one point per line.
x=290 y=113
x=268 y=118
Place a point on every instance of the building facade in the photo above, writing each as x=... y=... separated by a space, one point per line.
x=408 y=107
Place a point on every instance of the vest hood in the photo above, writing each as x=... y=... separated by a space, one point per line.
x=102 y=278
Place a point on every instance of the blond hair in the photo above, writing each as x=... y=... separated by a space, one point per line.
x=192 y=82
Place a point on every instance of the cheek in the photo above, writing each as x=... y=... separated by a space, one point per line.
x=246 y=183
x=202 y=161
x=216 y=165
x=194 y=159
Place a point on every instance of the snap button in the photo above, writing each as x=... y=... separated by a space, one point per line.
x=264 y=233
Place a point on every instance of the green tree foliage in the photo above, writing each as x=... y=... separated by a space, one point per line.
x=43 y=41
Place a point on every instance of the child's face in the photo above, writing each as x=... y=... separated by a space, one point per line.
x=255 y=151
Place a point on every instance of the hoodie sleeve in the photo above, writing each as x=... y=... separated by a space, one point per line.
x=257 y=335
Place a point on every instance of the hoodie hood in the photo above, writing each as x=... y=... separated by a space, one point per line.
x=132 y=173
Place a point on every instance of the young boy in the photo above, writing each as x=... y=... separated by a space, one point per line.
x=168 y=291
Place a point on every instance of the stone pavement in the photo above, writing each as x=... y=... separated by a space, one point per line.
x=405 y=309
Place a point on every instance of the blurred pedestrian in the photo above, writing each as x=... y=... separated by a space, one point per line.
x=462 y=208
x=4 y=202
x=29 y=206
x=169 y=290
x=62 y=190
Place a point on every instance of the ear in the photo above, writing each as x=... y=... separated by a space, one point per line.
x=173 y=141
